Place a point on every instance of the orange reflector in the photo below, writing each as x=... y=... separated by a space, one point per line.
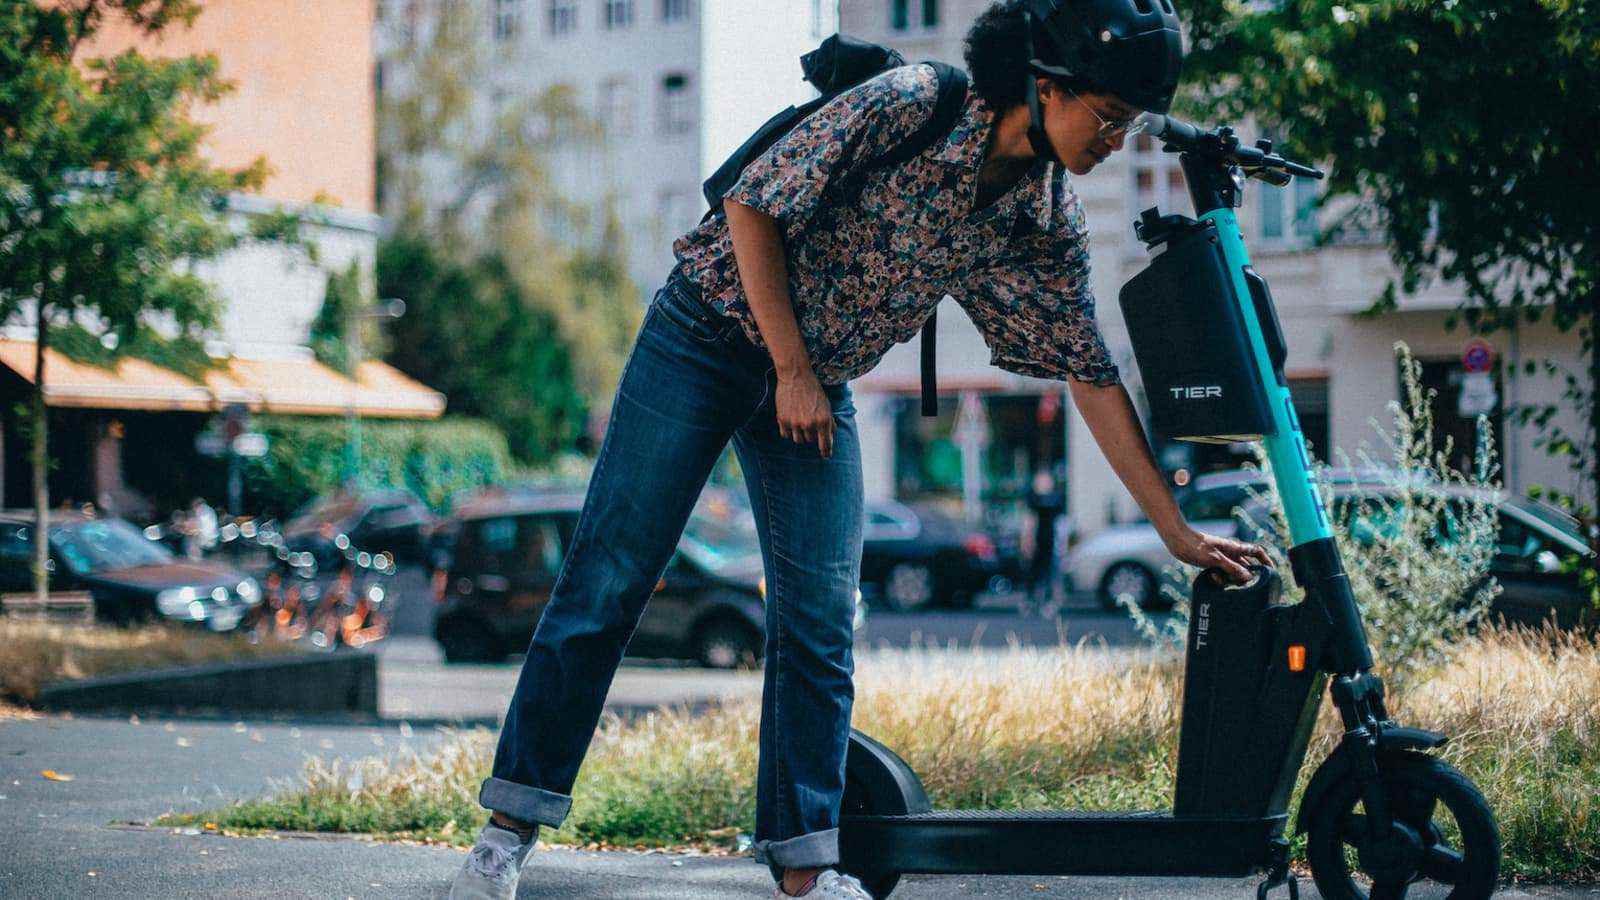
x=1297 y=658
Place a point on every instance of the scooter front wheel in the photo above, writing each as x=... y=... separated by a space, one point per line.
x=1444 y=834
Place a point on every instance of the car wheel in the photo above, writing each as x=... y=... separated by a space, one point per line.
x=466 y=641
x=908 y=586
x=727 y=644
x=1131 y=581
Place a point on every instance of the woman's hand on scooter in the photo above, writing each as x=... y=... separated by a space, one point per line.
x=804 y=412
x=1210 y=550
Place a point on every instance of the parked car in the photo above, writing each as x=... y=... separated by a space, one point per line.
x=917 y=558
x=130 y=578
x=1537 y=554
x=500 y=556
x=393 y=521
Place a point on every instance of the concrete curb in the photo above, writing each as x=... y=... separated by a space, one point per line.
x=344 y=682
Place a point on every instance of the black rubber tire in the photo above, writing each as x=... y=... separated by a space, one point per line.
x=466 y=641
x=714 y=639
x=1416 y=775
x=876 y=782
x=1152 y=598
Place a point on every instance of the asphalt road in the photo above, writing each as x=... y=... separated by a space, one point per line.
x=71 y=839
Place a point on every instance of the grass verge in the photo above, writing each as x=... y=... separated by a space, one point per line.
x=1069 y=727
x=34 y=653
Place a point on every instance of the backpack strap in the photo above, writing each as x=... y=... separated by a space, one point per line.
x=946 y=112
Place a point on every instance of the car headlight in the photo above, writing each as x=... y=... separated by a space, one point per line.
x=248 y=591
x=179 y=603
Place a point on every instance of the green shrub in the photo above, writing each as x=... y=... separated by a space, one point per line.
x=311 y=456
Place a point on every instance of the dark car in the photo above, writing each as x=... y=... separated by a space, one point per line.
x=1538 y=553
x=916 y=558
x=391 y=521
x=500 y=557
x=130 y=578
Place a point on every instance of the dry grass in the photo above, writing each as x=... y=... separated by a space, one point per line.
x=1069 y=727
x=34 y=653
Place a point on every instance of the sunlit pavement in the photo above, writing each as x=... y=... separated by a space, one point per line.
x=70 y=839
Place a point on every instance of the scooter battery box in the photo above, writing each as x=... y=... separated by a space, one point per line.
x=1247 y=712
x=1190 y=340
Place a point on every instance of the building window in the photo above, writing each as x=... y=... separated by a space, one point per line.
x=507 y=19
x=674 y=10
x=563 y=16
x=900 y=14
x=677 y=105
x=616 y=112
x=617 y=14
x=1157 y=178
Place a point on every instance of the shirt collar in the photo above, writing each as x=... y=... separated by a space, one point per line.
x=964 y=146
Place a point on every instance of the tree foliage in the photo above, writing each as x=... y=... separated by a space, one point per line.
x=1465 y=128
x=106 y=199
x=467 y=165
x=470 y=332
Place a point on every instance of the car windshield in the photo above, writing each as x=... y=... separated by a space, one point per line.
x=717 y=543
x=1553 y=517
x=105 y=545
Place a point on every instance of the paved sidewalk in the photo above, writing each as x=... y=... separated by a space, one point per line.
x=59 y=841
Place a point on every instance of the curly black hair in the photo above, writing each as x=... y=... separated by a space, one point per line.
x=996 y=54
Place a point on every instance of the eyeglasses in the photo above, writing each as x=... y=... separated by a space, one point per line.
x=1128 y=127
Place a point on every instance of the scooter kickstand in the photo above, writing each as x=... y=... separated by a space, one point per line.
x=1277 y=877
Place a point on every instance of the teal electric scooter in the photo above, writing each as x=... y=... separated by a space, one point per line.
x=1381 y=813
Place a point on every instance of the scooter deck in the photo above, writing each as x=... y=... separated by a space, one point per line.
x=1056 y=842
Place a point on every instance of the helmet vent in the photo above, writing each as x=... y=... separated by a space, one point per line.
x=1145 y=7
x=1167 y=5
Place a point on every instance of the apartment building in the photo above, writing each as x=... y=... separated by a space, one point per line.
x=125 y=438
x=1341 y=364
x=674 y=86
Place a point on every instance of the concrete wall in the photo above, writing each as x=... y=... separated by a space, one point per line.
x=304 y=96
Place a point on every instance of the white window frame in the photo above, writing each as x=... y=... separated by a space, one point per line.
x=617 y=15
x=561 y=17
x=916 y=16
x=677 y=112
x=676 y=12
x=507 y=16
x=617 y=106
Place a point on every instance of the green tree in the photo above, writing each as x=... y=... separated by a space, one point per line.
x=104 y=195
x=469 y=167
x=1467 y=126
x=470 y=332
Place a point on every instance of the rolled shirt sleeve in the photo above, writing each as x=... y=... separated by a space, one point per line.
x=1037 y=315
x=789 y=180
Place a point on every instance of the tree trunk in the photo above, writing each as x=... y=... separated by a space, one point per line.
x=41 y=467
x=1594 y=443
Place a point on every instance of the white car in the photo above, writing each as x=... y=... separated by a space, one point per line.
x=1130 y=561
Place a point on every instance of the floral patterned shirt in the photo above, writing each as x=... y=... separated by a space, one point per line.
x=864 y=276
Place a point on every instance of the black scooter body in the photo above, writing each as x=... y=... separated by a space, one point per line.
x=1246 y=721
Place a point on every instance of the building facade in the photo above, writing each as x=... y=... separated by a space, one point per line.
x=1341 y=364
x=123 y=438
x=674 y=86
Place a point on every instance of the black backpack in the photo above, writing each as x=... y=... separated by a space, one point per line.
x=840 y=63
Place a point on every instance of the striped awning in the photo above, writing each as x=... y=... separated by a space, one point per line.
x=286 y=386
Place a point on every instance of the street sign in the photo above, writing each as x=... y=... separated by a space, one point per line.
x=1477 y=356
x=250 y=445
x=1478 y=396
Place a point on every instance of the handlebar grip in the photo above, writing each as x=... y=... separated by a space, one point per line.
x=1174 y=131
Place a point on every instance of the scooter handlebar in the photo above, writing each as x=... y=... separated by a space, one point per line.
x=1180 y=135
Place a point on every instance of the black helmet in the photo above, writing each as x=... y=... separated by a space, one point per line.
x=1132 y=48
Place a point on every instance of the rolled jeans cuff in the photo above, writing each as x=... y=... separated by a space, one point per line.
x=523 y=803
x=816 y=850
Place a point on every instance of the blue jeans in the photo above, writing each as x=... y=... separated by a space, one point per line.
x=692 y=383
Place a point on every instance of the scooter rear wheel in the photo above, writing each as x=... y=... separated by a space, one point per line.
x=1460 y=850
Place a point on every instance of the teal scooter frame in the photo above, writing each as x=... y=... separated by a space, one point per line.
x=1212 y=353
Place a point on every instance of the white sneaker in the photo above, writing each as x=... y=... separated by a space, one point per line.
x=493 y=866
x=830 y=885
